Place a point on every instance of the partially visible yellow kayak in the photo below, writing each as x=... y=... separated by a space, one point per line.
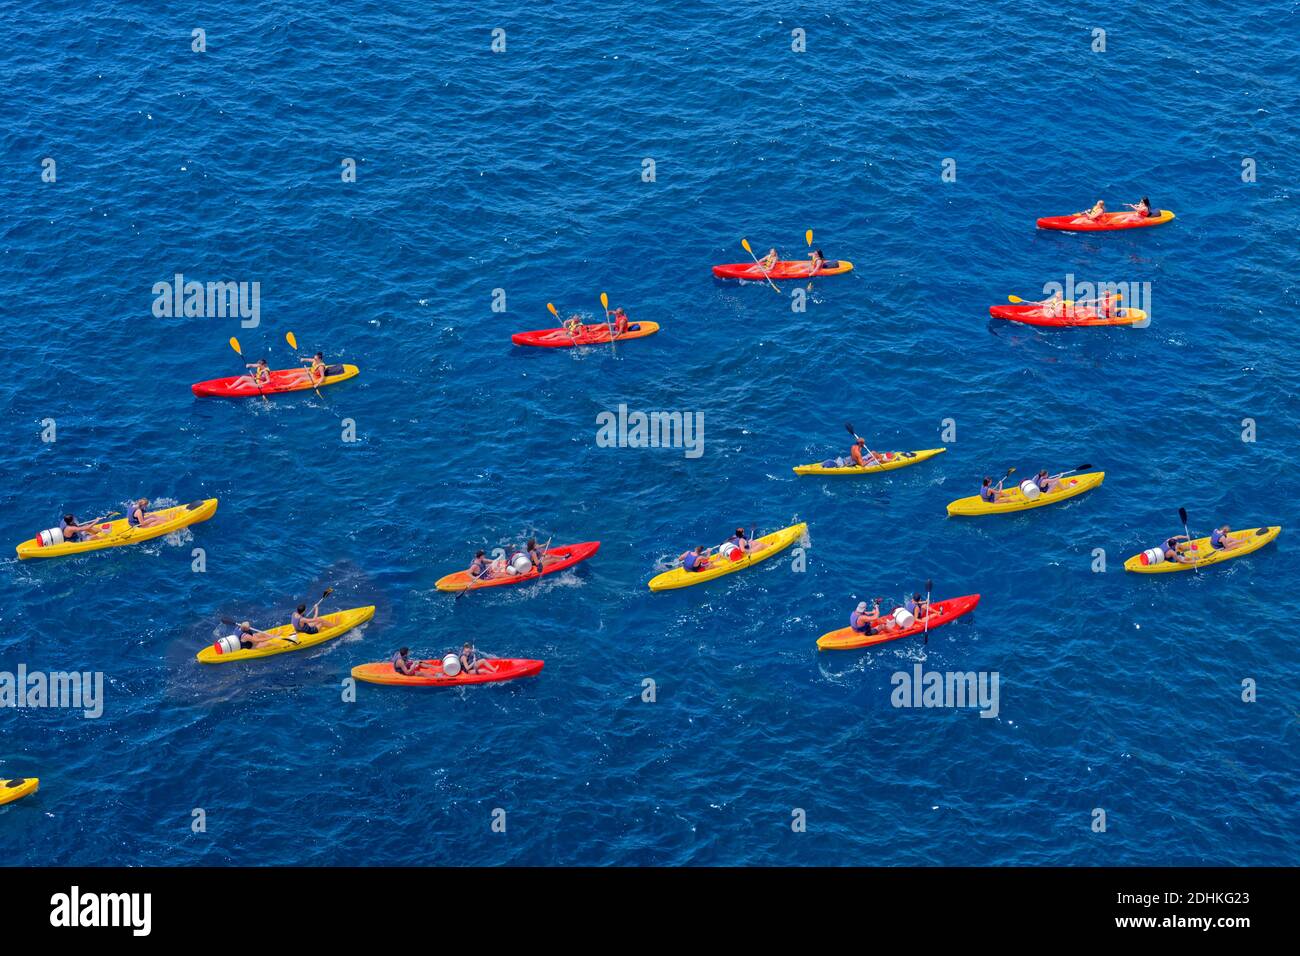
x=11 y=790
x=1016 y=500
x=340 y=622
x=1153 y=561
x=775 y=542
x=113 y=534
x=899 y=459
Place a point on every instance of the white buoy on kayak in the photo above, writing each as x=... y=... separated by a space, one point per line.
x=1029 y=488
x=451 y=665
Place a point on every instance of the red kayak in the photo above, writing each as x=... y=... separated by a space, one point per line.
x=430 y=673
x=590 y=335
x=557 y=558
x=1033 y=314
x=799 y=269
x=282 y=380
x=941 y=612
x=1106 y=222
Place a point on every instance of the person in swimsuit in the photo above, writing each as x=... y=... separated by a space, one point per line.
x=259 y=377
x=815 y=262
x=403 y=664
x=139 y=517
x=1052 y=307
x=250 y=637
x=574 y=327
x=991 y=493
x=694 y=560
x=72 y=531
x=1143 y=208
x=1095 y=212
x=621 y=322
x=769 y=260
x=471 y=662
x=1221 y=540
x=917 y=606
x=305 y=623
x=1178 y=548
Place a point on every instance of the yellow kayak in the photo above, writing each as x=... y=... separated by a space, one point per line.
x=340 y=623
x=1154 y=563
x=11 y=790
x=113 y=534
x=900 y=459
x=776 y=542
x=1016 y=500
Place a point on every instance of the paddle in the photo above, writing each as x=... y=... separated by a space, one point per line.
x=550 y=307
x=745 y=243
x=234 y=344
x=929 y=589
x=316 y=607
x=1182 y=516
x=864 y=443
x=1074 y=470
x=604 y=301
x=293 y=344
x=808 y=238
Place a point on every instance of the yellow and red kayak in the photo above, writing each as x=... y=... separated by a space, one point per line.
x=795 y=269
x=941 y=612
x=590 y=335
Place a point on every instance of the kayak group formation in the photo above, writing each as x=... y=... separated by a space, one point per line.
x=867 y=625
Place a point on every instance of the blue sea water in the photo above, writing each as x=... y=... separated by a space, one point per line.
x=522 y=171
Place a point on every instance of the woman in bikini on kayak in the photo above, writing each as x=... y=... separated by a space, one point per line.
x=260 y=375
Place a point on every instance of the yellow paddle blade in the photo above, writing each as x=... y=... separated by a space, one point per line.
x=551 y=308
x=234 y=344
x=808 y=236
x=292 y=340
x=604 y=299
x=1014 y=298
x=745 y=243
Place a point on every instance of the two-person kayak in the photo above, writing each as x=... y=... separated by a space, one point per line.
x=782 y=269
x=1139 y=215
x=1179 y=553
x=1043 y=489
x=596 y=334
x=435 y=673
x=74 y=537
x=274 y=382
x=870 y=627
x=285 y=638
x=1035 y=313
x=735 y=554
x=527 y=565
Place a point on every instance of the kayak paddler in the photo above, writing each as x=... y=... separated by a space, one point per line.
x=1045 y=482
x=305 y=623
x=139 y=517
x=738 y=546
x=403 y=664
x=316 y=370
x=1220 y=539
x=621 y=322
x=1098 y=210
x=992 y=493
x=573 y=325
x=694 y=560
x=1177 y=548
x=471 y=662
x=815 y=262
x=535 y=555
x=480 y=569
x=260 y=375
x=74 y=531
x=250 y=637
x=769 y=260
x=871 y=458
x=1143 y=208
